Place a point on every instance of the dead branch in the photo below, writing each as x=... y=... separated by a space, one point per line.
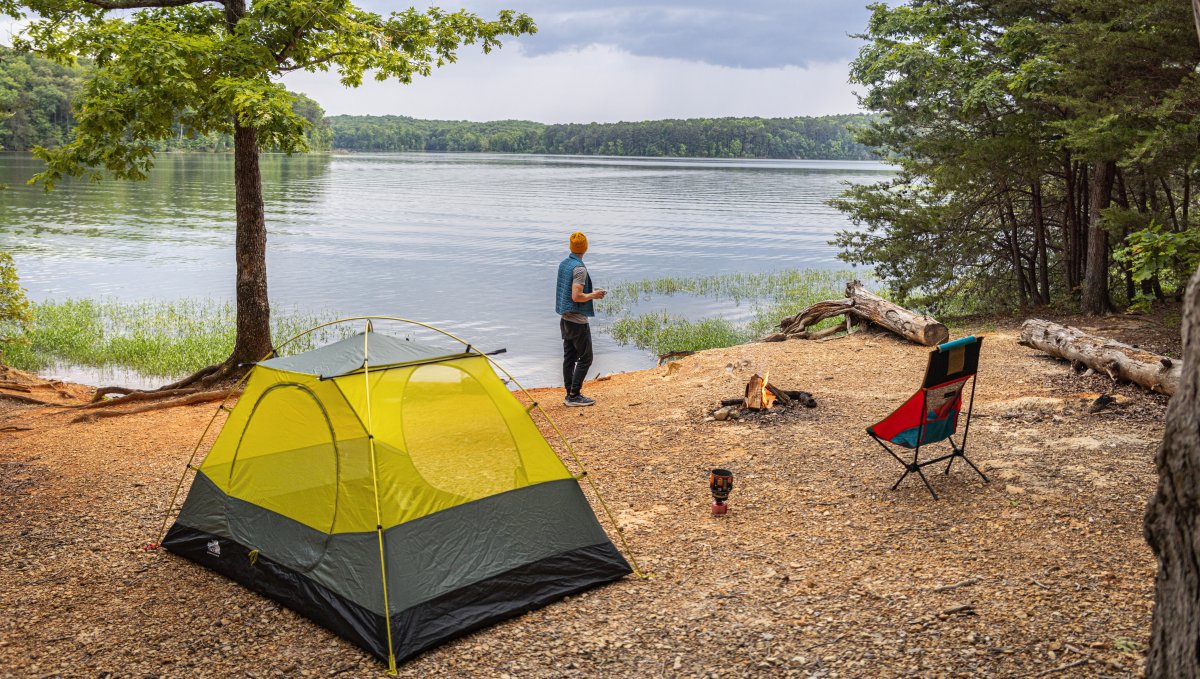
x=861 y=306
x=1061 y=668
x=963 y=583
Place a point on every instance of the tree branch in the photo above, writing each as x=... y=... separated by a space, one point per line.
x=146 y=4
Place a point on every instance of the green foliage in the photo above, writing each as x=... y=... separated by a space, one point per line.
x=155 y=339
x=1156 y=253
x=825 y=137
x=197 y=68
x=15 y=310
x=998 y=114
x=35 y=109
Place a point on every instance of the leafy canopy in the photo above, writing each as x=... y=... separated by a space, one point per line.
x=205 y=65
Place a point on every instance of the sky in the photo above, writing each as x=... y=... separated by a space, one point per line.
x=597 y=61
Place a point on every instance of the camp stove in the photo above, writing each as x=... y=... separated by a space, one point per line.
x=720 y=482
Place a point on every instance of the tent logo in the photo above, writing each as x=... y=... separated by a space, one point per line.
x=214 y=548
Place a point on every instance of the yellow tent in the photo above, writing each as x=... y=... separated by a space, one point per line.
x=397 y=493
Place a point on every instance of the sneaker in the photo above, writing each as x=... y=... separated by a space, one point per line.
x=578 y=401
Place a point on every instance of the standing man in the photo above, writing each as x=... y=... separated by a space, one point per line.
x=574 y=304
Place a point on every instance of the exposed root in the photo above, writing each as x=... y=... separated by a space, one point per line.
x=192 y=397
x=26 y=399
x=136 y=396
x=193 y=386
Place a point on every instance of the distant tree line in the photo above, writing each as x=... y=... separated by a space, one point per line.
x=1048 y=152
x=36 y=96
x=824 y=137
x=35 y=109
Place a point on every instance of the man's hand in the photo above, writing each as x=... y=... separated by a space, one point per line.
x=599 y=294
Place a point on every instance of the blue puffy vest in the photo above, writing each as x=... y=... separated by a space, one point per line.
x=564 y=304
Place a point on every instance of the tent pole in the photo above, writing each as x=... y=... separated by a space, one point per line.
x=387 y=611
x=587 y=477
x=162 y=531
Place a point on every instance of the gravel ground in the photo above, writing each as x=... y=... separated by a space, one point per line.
x=818 y=570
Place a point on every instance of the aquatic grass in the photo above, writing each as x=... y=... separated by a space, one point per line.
x=154 y=338
x=789 y=284
x=770 y=296
x=661 y=332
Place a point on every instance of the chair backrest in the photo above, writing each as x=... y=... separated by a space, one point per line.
x=953 y=361
x=931 y=414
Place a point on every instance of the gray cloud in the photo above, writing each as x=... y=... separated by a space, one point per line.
x=743 y=34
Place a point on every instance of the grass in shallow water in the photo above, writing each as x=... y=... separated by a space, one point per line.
x=155 y=338
x=770 y=296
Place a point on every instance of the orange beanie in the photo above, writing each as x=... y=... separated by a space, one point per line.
x=578 y=243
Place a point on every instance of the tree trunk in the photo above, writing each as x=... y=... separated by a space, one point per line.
x=1173 y=513
x=1172 y=524
x=253 y=310
x=864 y=306
x=1095 y=278
x=1118 y=361
x=1039 y=244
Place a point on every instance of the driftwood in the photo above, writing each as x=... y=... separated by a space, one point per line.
x=861 y=306
x=1118 y=361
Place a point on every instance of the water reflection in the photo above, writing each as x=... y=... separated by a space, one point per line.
x=468 y=241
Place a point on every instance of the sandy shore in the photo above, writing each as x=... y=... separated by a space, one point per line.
x=818 y=569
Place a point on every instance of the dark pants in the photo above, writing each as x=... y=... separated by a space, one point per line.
x=577 y=354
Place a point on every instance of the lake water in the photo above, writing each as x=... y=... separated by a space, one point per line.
x=468 y=242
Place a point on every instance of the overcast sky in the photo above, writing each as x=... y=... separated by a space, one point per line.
x=608 y=61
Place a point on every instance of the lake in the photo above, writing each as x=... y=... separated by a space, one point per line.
x=468 y=242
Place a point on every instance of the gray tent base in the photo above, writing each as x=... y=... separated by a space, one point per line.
x=420 y=627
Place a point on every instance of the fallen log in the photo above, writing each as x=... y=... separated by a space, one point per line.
x=861 y=305
x=1118 y=361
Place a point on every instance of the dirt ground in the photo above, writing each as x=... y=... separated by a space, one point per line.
x=818 y=570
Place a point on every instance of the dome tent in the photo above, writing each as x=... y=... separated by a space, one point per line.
x=396 y=493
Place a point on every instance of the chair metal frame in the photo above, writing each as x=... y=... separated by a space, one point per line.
x=957 y=451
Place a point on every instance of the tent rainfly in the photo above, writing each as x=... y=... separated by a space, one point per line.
x=398 y=494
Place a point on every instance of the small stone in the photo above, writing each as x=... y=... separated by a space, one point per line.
x=1014 y=490
x=722 y=414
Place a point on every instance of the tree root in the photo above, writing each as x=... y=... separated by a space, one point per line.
x=28 y=400
x=192 y=397
x=196 y=388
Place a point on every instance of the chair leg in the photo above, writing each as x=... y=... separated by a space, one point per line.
x=929 y=487
x=951 y=463
x=902 y=477
x=981 y=474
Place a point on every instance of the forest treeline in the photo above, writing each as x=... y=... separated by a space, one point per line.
x=35 y=109
x=1048 y=152
x=36 y=96
x=824 y=137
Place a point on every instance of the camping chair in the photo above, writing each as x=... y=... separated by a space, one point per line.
x=931 y=415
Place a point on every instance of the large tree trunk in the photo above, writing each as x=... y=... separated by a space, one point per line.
x=1118 y=361
x=253 y=310
x=1095 y=281
x=1173 y=513
x=861 y=305
x=1173 y=519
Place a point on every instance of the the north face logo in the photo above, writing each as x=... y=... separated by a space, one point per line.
x=214 y=548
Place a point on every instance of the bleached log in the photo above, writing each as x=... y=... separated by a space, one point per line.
x=861 y=305
x=1118 y=361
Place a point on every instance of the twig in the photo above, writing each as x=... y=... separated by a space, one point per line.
x=1061 y=668
x=15 y=428
x=965 y=608
x=1039 y=584
x=963 y=583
